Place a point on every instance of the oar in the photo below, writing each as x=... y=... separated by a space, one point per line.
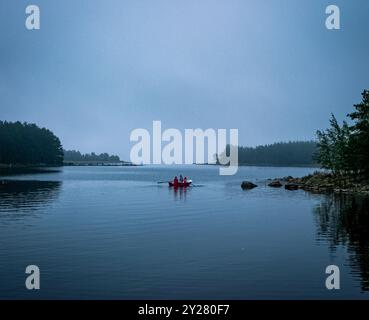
x=159 y=182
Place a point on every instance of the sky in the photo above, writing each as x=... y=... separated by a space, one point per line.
x=96 y=70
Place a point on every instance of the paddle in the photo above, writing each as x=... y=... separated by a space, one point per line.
x=160 y=182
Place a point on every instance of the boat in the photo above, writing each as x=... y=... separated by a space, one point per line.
x=181 y=184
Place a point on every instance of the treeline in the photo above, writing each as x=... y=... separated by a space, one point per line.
x=293 y=153
x=344 y=149
x=76 y=156
x=27 y=144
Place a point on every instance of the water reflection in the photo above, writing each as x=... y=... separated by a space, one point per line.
x=19 y=198
x=344 y=220
x=9 y=171
x=179 y=193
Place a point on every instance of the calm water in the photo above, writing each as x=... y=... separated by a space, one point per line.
x=113 y=232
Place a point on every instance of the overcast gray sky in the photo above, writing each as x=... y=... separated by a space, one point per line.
x=98 y=69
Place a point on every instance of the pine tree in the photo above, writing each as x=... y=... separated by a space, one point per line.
x=360 y=134
x=345 y=149
x=27 y=144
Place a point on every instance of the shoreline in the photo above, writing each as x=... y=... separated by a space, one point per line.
x=98 y=164
x=309 y=165
x=65 y=164
x=320 y=182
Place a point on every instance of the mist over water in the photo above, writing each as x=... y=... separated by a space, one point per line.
x=114 y=232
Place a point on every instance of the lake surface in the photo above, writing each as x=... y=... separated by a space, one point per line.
x=114 y=232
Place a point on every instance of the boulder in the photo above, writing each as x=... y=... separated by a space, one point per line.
x=288 y=178
x=275 y=184
x=291 y=186
x=246 y=185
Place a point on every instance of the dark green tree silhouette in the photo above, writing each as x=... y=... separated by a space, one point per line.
x=345 y=149
x=360 y=134
x=72 y=155
x=298 y=153
x=27 y=144
x=334 y=147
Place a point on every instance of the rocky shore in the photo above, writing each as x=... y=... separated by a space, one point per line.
x=318 y=182
x=321 y=182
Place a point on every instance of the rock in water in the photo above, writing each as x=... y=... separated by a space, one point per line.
x=289 y=179
x=246 y=185
x=291 y=186
x=275 y=184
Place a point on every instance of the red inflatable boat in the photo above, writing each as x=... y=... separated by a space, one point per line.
x=180 y=184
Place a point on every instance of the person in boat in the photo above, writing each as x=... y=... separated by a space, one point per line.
x=175 y=182
x=180 y=178
x=185 y=180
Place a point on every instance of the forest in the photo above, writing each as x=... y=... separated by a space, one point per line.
x=27 y=144
x=293 y=153
x=76 y=156
x=344 y=149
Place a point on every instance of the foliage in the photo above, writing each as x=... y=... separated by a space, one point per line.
x=294 y=153
x=345 y=149
x=360 y=134
x=72 y=155
x=27 y=144
x=334 y=147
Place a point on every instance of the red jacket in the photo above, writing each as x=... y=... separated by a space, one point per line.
x=175 y=182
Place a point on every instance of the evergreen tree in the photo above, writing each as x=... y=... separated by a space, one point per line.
x=293 y=153
x=72 y=155
x=345 y=149
x=360 y=134
x=27 y=144
x=334 y=147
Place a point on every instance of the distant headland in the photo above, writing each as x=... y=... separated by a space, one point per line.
x=25 y=145
x=76 y=158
